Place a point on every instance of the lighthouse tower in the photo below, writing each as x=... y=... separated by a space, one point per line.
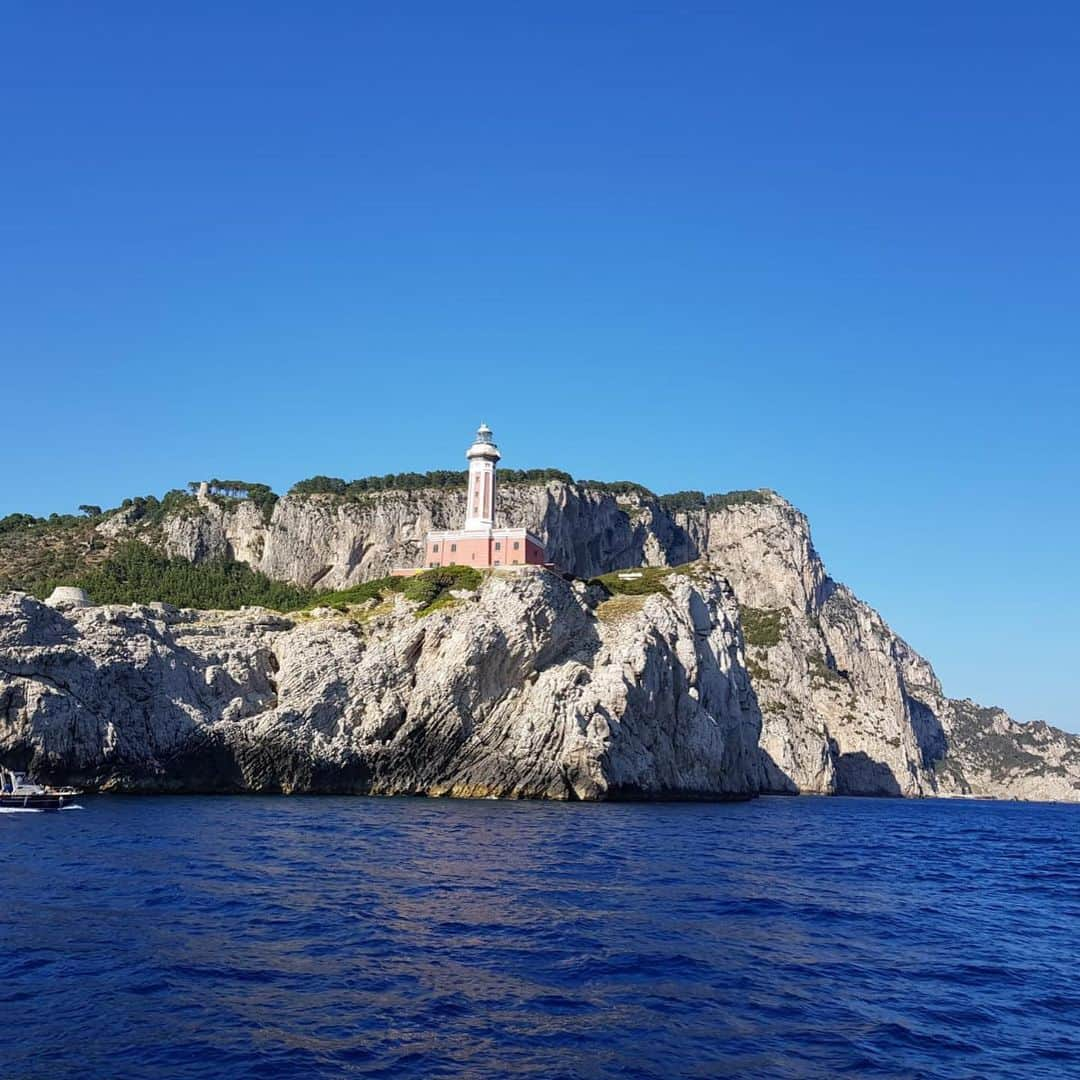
x=483 y=456
x=480 y=543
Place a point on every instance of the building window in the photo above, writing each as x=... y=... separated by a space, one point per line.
x=453 y=547
x=516 y=545
x=497 y=563
x=432 y=565
x=498 y=545
x=434 y=549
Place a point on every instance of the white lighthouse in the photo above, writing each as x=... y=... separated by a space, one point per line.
x=480 y=543
x=483 y=456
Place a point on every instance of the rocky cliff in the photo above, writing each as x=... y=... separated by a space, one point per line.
x=528 y=687
x=844 y=704
x=333 y=542
x=847 y=705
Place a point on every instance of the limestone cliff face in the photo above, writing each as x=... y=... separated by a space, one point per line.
x=530 y=687
x=847 y=706
x=330 y=542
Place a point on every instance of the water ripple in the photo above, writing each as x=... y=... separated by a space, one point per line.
x=247 y=937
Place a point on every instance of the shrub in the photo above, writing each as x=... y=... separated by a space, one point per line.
x=762 y=627
x=319 y=485
x=729 y=499
x=647 y=579
x=619 y=487
x=414 y=481
x=14 y=522
x=533 y=476
x=433 y=586
x=136 y=574
x=429 y=588
x=683 y=500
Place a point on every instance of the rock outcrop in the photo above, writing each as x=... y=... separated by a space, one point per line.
x=530 y=687
x=847 y=705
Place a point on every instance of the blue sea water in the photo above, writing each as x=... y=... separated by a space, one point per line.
x=279 y=937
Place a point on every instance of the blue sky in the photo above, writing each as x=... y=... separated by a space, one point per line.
x=825 y=249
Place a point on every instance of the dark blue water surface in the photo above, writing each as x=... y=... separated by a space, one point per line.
x=268 y=937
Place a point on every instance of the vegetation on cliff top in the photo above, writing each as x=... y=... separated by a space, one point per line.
x=413 y=481
x=682 y=501
x=38 y=553
x=457 y=478
x=230 y=492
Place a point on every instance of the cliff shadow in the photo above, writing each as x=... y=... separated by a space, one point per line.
x=929 y=733
x=857 y=773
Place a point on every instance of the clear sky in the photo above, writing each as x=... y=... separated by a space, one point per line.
x=828 y=248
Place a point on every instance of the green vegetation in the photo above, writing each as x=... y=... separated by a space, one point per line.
x=16 y=522
x=451 y=478
x=136 y=574
x=688 y=501
x=758 y=672
x=38 y=553
x=431 y=589
x=239 y=490
x=150 y=510
x=13 y=522
x=820 y=672
x=762 y=627
x=413 y=481
x=619 y=487
x=729 y=499
x=679 y=501
x=616 y=608
x=1000 y=753
x=648 y=579
x=533 y=476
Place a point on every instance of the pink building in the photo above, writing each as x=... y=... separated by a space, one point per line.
x=480 y=543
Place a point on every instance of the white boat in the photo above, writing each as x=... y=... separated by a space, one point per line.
x=19 y=792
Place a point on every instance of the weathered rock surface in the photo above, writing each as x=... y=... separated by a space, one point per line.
x=531 y=687
x=239 y=701
x=847 y=705
x=333 y=543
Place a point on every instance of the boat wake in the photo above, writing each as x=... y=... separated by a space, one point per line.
x=73 y=806
x=20 y=810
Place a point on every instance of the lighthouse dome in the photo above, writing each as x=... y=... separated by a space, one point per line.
x=484 y=445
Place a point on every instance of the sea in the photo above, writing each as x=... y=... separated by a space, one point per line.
x=322 y=937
